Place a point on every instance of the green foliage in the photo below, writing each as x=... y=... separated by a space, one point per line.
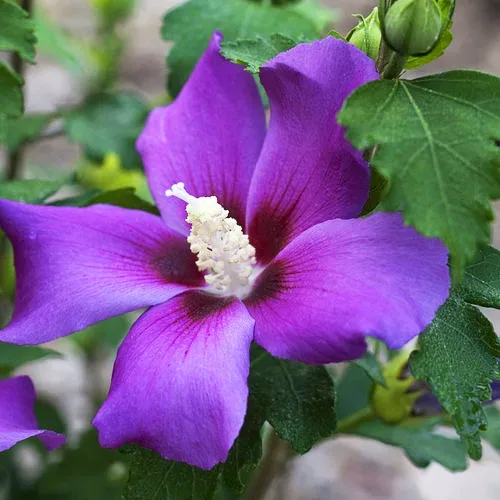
x=30 y=191
x=87 y=472
x=314 y=11
x=79 y=200
x=246 y=452
x=481 y=283
x=48 y=417
x=492 y=433
x=420 y=443
x=16 y=34
x=59 y=44
x=436 y=146
x=457 y=356
x=19 y=131
x=125 y=198
x=108 y=333
x=113 y=11
x=11 y=97
x=447 y=7
x=13 y=356
x=353 y=391
x=236 y=19
x=255 y=53
x=372 y=367
x=297 y=400
x=109 y=123
x=16 y=30
x=152 y=477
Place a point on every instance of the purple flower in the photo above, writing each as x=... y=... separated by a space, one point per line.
x=308 y=283
x=17 y=417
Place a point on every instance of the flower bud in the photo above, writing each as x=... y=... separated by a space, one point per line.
x=413 y=27
x=367 y=35
x=112 y=175
x=113 y=10
x=394 y=403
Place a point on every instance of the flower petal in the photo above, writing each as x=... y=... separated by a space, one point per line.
x=17 y=416
x=179 y=384
x=77 y=266
x=307 y=172
x=209 y=138
x=343 y=280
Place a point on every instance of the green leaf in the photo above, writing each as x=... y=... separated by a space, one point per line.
x=372 y=367
x=353 y=391
x=16 y=30
x=11 y=97
x=420 y=443
x=79 y=200
x=48 y=416
x=19 y=131
x=440 y=159
x=457 y=356
x=86 y=472
x=30 y=191
x=492 y=433
x=481 y=283
x=246 y=452
x=12 y=356
x=58 y=43
x=125 y=198
x=236 y=19
x=153 y=477
x=321 y=17
x=447 y=8
x=255 y=53
x=109 y=123
x=297 y=400
x=108 y=333
x=222 y=492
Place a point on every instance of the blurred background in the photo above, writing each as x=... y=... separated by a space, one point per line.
x=344 y=469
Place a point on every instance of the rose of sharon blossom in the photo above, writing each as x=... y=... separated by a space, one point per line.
x=257 y=241
x=17 y=416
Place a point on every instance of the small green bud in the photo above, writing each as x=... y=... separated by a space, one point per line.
x=394 y=403
x=367 y=35
x=413 y=27
x=113 y=11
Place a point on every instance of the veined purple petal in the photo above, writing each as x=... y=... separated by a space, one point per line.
x=17 y=416
x=209 y=138
x=77 y=266
x=307 y=172
x=343 y=280
x=179 y=384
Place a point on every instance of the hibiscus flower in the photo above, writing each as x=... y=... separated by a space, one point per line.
x=17 y=417
x=271 y=251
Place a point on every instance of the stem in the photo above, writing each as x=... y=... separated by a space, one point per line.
x=276 y=455
x=392 y=65
x=14 y=159
x=350 y=423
